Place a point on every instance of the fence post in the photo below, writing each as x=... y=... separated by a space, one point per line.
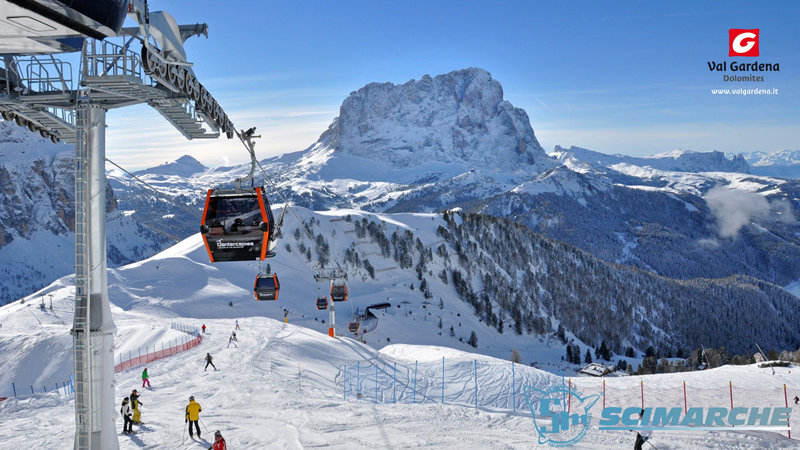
x=514 y=390
x=358 y=378
x=376 y=383
x=394 y=384
x=344 y=384
x=476 y=383
x=730 y=386
x=415 y=382
x=44 y=388
x=786 y=402
x=31 y=389
x=15 y=390
x=569 y=395
x=642 y=394
x=604 y=394
x=685 y=406
x=443 y=380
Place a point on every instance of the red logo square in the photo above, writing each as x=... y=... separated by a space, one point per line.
x=742 y=42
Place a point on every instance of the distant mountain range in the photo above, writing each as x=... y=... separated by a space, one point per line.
x=453 y=142
x=782 y=164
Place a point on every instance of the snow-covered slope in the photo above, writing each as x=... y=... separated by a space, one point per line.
x=288 y=386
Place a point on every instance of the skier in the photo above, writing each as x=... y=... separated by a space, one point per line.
x=642 y=435
x=193 y=416
x=204 y=328
x=231 y=341
x=219 y=442
x=234 y=337
x=208 y=361
x=144 y=378
x=796 y=399
x=125 y=410
x=135 y=402
x=237 y=324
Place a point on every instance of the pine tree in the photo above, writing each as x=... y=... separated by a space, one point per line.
x=588 y=358
x=473 y=340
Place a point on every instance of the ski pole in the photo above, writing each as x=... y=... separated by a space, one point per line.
x=183 y=439
x=651 y=445
x=204 y=425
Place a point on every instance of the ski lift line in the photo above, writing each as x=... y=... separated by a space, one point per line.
x=168 y=198
x=290 y=267
x=274 y=187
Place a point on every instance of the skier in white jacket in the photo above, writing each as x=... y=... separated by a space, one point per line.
x=641 y=435
x=127 y=416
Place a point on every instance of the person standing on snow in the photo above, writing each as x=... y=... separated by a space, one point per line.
x=219 y=442
x=796 y=399
x=237 y=324
x=208 y=361
x=642 y=435
x=144 y=378
x=193 y=416
x=231 y=341
x=204 y=328
x=135 y=402
x=125 y=410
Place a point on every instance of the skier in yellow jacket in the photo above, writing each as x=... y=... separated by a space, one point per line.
x=193 y=415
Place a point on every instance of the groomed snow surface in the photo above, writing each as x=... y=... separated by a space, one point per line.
x=290 y=386
x=258 y=401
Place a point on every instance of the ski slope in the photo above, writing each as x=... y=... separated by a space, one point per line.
x=290 y=386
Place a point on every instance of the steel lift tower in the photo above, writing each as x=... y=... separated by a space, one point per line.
x=36 y=91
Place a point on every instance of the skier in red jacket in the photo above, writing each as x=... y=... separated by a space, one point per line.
x=219 y=442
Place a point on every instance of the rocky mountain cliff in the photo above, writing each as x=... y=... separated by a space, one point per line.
x=37 y=215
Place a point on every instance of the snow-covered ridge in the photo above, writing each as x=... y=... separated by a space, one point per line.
x=185 y=166
x=783 y=163
x=674 y=161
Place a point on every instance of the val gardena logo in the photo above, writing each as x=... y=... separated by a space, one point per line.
x=742 y=42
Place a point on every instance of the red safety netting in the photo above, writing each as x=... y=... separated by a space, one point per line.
x=157 y=354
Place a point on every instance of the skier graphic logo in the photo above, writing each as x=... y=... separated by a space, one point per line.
x=561 y=416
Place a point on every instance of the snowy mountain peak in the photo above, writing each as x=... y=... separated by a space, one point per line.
x=457 y=118
x=185 y=166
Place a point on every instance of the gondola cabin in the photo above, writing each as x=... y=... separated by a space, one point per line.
x=353 y=327
x=238 y=225
x=339 y=293
x=267 y=287
x=322 y=302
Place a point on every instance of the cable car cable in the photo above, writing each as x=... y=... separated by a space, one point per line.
x=168 y=198
x=274 y=187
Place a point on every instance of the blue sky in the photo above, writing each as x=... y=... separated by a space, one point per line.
x=622 y=77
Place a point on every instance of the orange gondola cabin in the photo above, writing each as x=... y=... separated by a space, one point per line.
x=238 y=225
x=339 y=293
x=266 y=287
x=322 y=302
